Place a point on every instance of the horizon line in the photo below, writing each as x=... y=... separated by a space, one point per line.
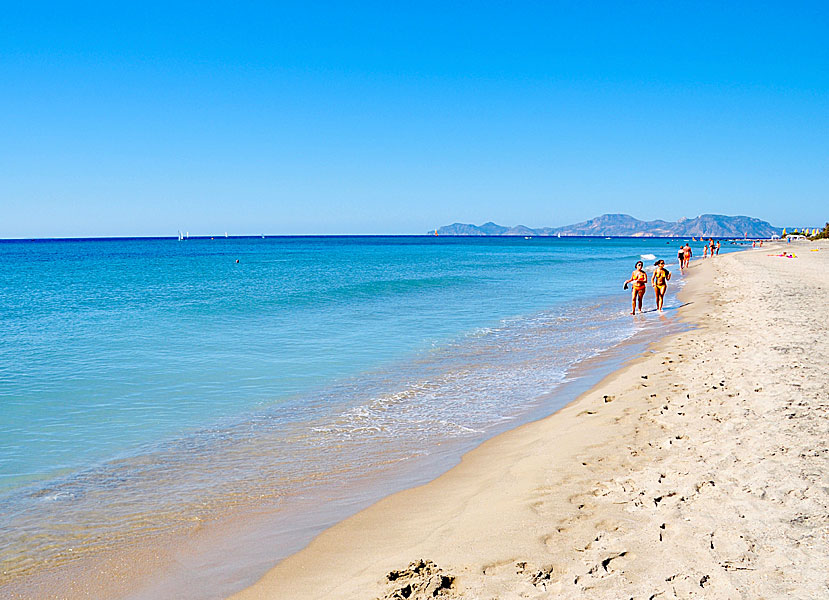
x=350 y=235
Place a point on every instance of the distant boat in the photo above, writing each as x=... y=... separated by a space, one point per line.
x=559 y=235
x=263 y=236
x=187 y=236
x=526 y=237
x=180 y=237
x=607 y=238
x=436 y=232
x=225 y=233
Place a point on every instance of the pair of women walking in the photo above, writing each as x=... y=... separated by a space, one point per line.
x=660 y=278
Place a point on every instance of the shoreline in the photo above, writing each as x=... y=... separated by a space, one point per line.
x=123 y=569
x=490 y=449
x=527 y=509
x=243 y=535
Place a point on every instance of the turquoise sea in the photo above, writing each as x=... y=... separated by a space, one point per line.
x=150 y=384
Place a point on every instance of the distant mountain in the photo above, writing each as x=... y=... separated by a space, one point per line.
x=627 y=226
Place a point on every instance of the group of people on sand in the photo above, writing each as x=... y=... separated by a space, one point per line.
x=711 y=248
x=683 y=256
x=660 y=278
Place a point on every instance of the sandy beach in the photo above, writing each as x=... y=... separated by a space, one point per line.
x=698 y=470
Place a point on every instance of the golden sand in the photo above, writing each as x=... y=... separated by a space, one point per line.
x=701 y=469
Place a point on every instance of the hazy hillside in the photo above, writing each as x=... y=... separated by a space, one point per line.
x=625 y=225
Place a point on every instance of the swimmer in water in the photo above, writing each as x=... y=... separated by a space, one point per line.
x=639 y=279
x=661 y=277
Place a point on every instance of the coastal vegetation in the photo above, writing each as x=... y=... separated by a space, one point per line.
x=822 y=234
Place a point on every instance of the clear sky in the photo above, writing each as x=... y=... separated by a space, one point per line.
x=395 y=118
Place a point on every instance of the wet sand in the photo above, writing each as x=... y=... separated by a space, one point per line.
x=698 y=470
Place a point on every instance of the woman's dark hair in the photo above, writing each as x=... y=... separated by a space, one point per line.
x=638 y=262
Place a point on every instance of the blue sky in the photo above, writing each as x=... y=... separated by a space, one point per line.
x=385 y=118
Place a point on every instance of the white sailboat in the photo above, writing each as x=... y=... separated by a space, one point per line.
x=180 y=237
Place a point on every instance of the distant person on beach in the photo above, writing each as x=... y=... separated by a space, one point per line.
x=705 y=251
x=661 y=277
x=680 y=256
x=717 y=248
x=711 y=247
x=639 y=279
x=688 y=254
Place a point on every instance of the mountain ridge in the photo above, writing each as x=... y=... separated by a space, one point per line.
x=623 y=225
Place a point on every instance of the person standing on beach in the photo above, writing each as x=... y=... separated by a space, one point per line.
x=705 y=251
x=711 y=247
x=688 y=254
x=680 y=257
x=661 y=277
x=640 y=280
x=717 y=247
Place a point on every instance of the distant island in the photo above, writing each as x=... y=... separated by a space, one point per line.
x=618 y=225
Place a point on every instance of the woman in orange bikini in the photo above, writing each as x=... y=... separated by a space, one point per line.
x=639 y=279
x=661 y=277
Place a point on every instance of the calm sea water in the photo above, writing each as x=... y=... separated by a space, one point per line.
x=146 y=383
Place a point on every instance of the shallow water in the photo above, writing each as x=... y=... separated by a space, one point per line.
x=147 y=385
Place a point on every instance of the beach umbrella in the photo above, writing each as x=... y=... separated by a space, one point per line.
x=784 y=231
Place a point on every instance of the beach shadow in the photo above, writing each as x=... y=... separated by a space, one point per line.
x=665 y=308
x=684 y=304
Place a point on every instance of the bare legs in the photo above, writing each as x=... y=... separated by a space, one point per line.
x=660 y=298
x=636 y=298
